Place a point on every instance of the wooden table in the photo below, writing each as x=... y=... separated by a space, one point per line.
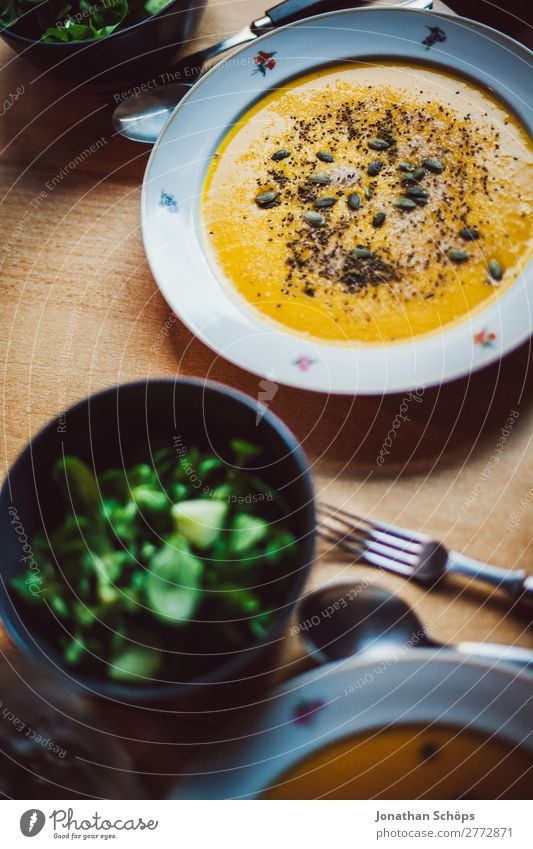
x=82 y=312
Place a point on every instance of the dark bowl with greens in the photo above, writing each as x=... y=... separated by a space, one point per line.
x=87 y=40
x=155 y=538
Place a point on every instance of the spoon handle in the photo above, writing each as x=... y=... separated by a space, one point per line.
x=514 y=655
x=514 y=583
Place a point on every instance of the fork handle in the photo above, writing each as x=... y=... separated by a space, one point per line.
x=515 y=583
x=293 y=10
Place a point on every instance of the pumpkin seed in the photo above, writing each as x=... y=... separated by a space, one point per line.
x=315 y=219
x=413 y=177
x=320 y=179
x=374 y=168
x=421 y=201
x=266 y=200
x=325 y=156
x=354 y=201
x=404 y=203
x=379 y=144
x=378 y=220
x=361 y=253
x=369 y=192
x=457 y=255
x=469 y=234
x=406 y=167
x=495 y=269
x=416 y=192
x=324 y=203
x=434 y=165
x=280 y=154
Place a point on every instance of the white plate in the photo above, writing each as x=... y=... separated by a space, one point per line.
x=172 y=188
x=342 y=700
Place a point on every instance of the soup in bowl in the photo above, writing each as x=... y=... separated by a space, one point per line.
x=417 y=724
x=346 y=203
x=411 y=762
x=370 y=203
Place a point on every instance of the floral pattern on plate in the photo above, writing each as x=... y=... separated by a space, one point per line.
x=169 y=202
x=265 y=62
x=304 y=362
x=436 y=35
x=485 y=338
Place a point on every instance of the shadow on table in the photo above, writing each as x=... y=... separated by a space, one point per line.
x=57 y=124
x=439 y=426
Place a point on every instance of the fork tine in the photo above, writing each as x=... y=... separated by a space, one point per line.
x=329 y=536
x=396 y=559
x=402 y=549
x=356 y=530
x=366 y=553
x=397 y=555
x=359 y=542
x=380 y=527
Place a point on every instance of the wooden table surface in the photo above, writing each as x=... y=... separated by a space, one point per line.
x=81 y=312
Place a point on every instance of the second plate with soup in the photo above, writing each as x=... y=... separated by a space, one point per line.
x=347 y=209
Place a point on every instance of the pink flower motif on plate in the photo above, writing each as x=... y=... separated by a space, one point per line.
x=304 y=362
x=304 y=711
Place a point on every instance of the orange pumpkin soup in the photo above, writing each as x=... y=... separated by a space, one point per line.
x=366 y=203
x=411 y=763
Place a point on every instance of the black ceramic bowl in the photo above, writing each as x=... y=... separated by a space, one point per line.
x=128 y=53
x=110 y=430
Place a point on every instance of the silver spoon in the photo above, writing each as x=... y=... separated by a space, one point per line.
x=142 y=116
x=344 y=619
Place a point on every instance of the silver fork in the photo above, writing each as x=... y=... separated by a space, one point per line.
x=412 y=555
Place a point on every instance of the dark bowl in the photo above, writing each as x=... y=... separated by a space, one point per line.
x=142 y=48
x=111 y=429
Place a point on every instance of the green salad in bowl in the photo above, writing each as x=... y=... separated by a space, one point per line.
x=77 y=20
x=157 y=569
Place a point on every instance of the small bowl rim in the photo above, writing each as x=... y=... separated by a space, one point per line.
x=65 y=45
x=22 y=634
